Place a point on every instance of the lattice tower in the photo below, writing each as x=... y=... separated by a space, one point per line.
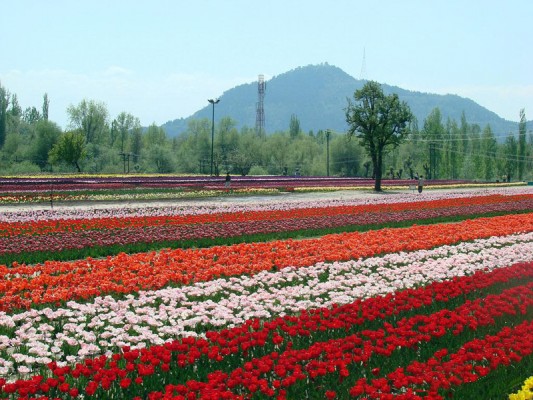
x=260 y=107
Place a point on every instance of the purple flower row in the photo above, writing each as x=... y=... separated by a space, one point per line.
x=153 y=234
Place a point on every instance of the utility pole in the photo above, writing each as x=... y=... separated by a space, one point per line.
x=328 y=132
x=213 y=102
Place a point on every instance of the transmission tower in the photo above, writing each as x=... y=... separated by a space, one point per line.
x=260 y=115
x=362 y=75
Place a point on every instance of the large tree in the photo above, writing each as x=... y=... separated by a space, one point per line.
x=379 y=121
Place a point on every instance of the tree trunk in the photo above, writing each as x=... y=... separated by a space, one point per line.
x=377 y=161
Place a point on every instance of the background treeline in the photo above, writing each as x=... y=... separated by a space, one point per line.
x=97 y=143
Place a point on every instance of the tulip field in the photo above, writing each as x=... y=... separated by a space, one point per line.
x=399 y=296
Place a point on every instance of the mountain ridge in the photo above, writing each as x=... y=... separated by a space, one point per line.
x=317 y=96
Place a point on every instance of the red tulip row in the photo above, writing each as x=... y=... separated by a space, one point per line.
x=280 y=357
x=468 y=205
x=474 y=360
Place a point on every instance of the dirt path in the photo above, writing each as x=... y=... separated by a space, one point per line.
x=257 y=199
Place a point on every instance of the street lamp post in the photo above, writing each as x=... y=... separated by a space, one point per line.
x=328 y=132
x=213 y=102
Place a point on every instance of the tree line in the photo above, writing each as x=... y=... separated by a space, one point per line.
x=97 y=143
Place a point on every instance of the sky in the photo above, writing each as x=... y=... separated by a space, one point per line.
x=162 y=59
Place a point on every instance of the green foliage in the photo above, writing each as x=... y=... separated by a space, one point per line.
x=48 y=134
x=294 y=127
x=159 y=160
x=510 y=164
x=521 y=144
x=346 y=155
x=70 y=148
x=379 y=121
x=31 y=115
x=124 y=123
x=454 y=149
x=4 y=102
x=433 y=132
x=248 y=154
x=90 y=117
x=257 y=170
x=488 y=150
x=46 y=105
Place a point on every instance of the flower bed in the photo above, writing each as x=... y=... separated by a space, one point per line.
x=52 y=281
x=368 y=348
x=76 y=188
x=77 y=328
x=59 y=235
x=435 y=311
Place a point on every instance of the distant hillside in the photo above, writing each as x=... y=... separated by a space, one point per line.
x=317 y=94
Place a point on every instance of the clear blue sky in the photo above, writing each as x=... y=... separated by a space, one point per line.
x=162 y=59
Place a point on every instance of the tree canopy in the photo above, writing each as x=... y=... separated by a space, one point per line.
x=70 y=149
x=379 y=121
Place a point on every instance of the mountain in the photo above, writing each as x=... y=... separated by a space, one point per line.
x=317 y=95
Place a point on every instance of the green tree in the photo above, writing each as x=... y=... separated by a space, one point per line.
x=48 y=134
x=521 y=144
x=155 y=136
x=160 y=159
x=46 y=105
x=510 y=160
x=194 y=147
x=465 y=146
x=70 y=148
x=277 y=148
x=31 y=115
x=91 y=118
x=123 y=124
x=346 y=156
x=16 y=110
x=379 y=121
x=305 y=154
x=4 y=103
x=294 y=126
x=433 y=131
x=226 y=144
x=136 y=143
x=453 y=146
x=489 y=147
x=248 y=152
x=476 y=154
